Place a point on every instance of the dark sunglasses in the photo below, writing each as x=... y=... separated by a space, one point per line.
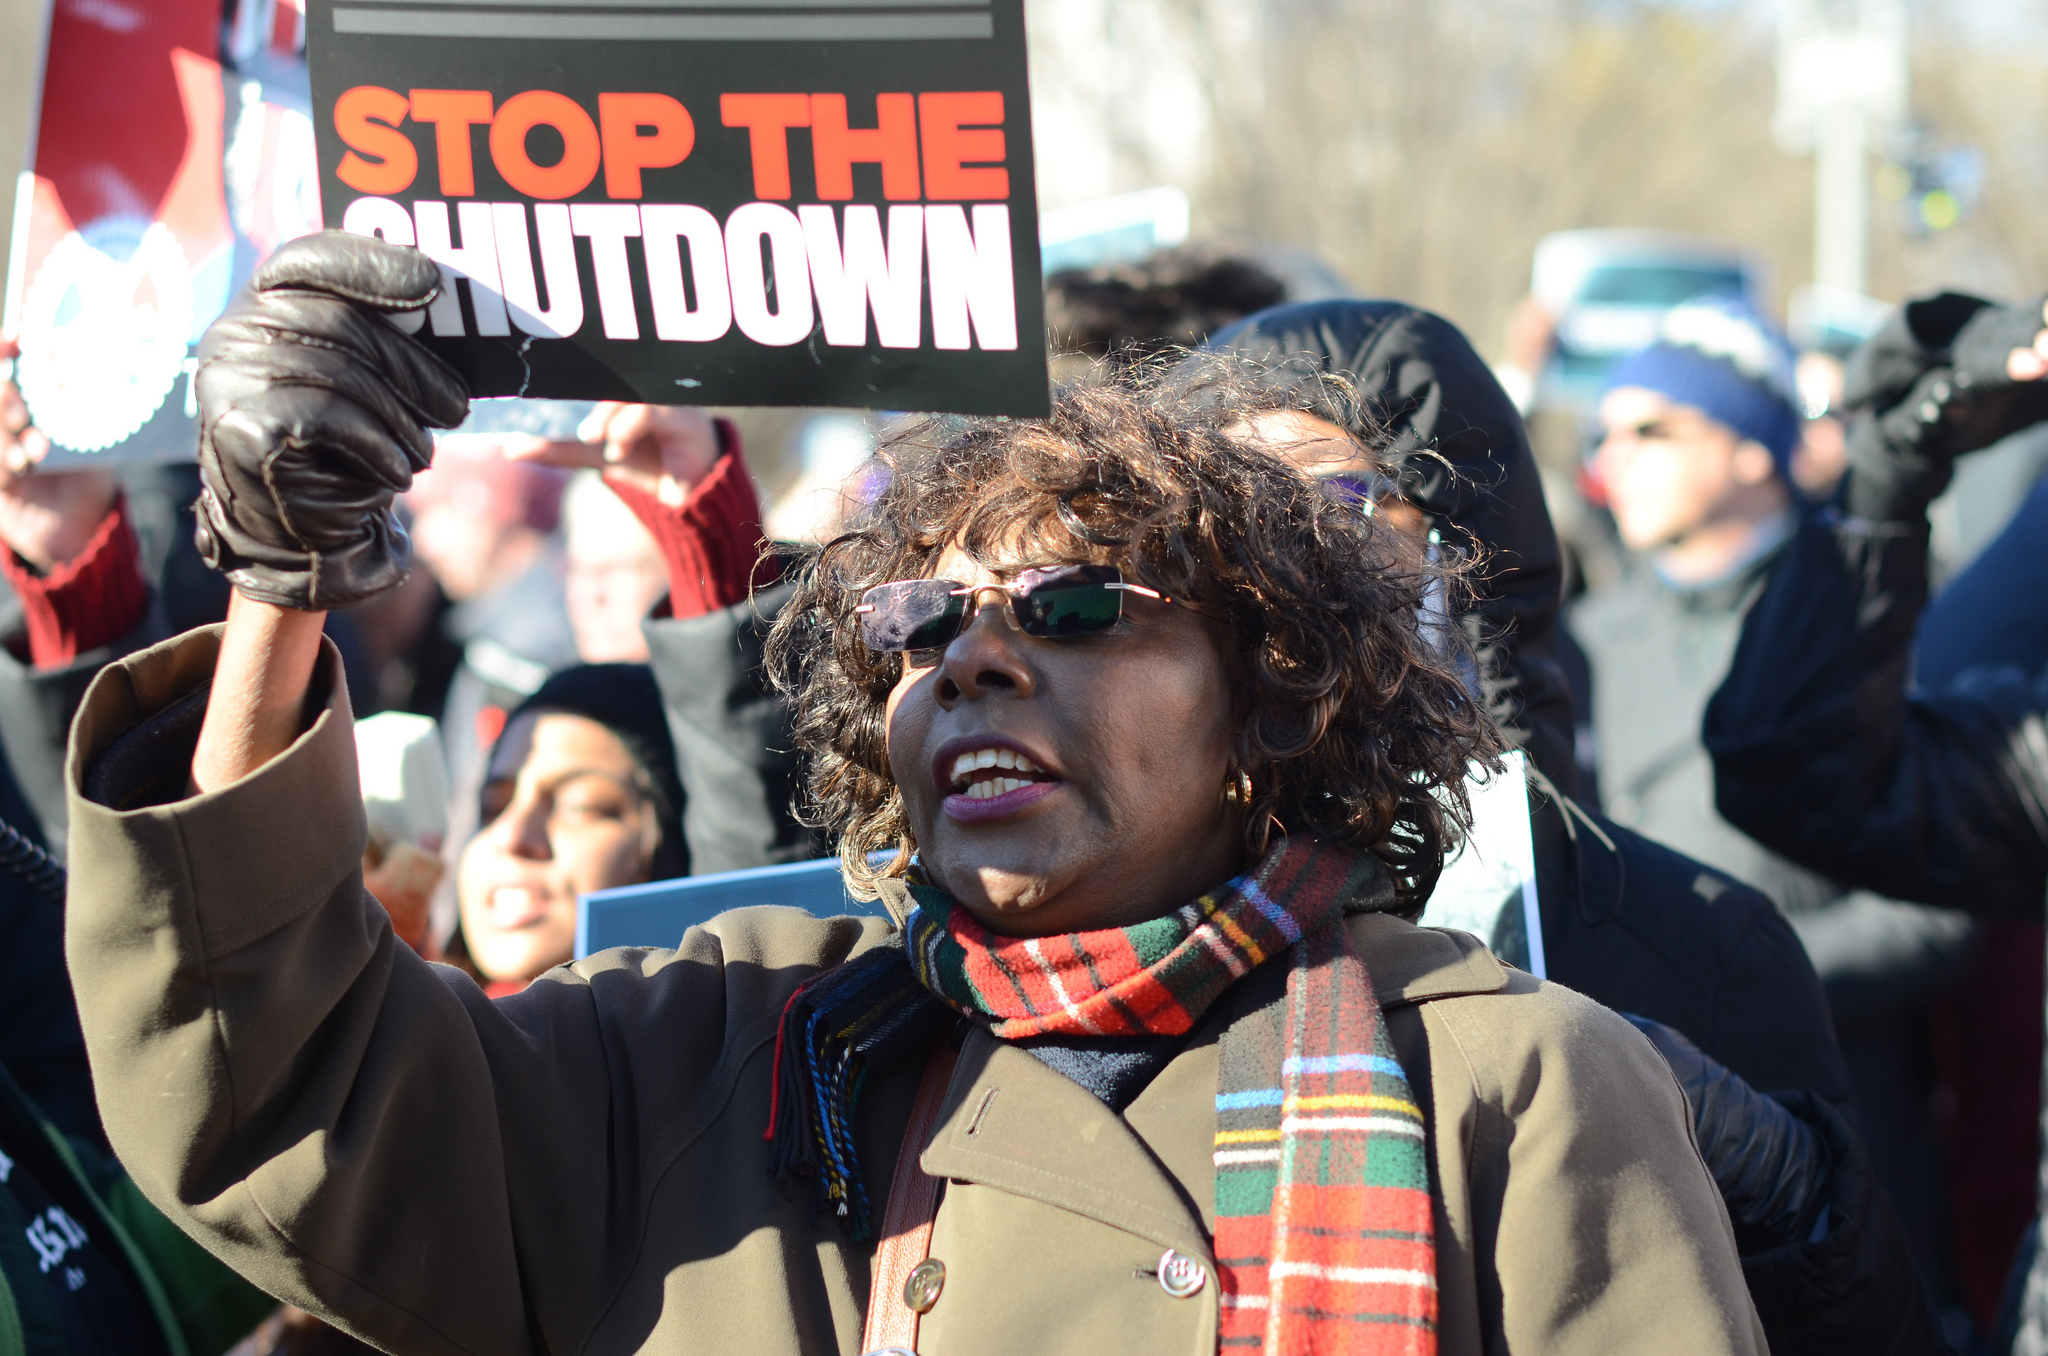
x=1051 y=603
x=1364 y=490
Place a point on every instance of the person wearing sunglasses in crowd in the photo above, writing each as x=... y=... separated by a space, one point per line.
x=1162 y=759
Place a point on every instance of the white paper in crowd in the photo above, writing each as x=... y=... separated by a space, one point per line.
x=404 y=776
x=1124 y=227
x=1488 y=887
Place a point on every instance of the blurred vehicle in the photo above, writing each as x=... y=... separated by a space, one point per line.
x=1123 y=227
x=1832 y=320
x=1609 y=290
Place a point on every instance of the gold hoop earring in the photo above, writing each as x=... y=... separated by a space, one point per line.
x=1237 y=788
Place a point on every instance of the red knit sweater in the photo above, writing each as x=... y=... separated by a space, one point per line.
x=93 y=599
x=712 y=541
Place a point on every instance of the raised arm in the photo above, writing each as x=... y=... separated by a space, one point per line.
x=277 y=1073
x=361 y=1132
x=257 y=705
x=314 y=414
x=1821 y=750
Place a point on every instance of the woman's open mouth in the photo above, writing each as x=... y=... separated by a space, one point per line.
x=509 y=908
x=992 y=781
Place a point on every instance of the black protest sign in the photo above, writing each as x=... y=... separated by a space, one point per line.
x=700 y=201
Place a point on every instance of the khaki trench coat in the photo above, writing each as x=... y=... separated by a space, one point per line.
x=580 y=1169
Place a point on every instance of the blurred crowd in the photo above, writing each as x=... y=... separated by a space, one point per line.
x=563 y=696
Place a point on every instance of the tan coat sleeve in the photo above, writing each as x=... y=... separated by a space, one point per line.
x=1605 y=1233
x=356 y=1130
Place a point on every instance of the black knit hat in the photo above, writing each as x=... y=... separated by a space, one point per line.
x=625 y=700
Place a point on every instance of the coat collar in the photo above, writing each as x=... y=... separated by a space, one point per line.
x=1411 y=964
x=893 y=894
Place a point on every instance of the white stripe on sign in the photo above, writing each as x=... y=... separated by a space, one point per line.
x=441 y=23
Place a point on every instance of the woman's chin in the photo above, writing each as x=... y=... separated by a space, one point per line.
x=985 y=876
x=520 y=962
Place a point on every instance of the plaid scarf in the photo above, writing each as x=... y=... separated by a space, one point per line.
x=1324 y=1238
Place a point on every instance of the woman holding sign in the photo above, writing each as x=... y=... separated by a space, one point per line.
x=1151 y=1056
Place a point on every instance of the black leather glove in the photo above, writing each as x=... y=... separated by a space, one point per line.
x=1774 y=1170
x=1914 y=341
x=313 y=413
x=1931 y=386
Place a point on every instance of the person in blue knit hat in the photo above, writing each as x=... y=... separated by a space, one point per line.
x=1701 y=429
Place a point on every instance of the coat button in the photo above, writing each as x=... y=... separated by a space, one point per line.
x=921 y=1290
x=1180 y=1275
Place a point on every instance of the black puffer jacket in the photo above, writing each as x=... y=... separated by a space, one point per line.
x=1854 y=1290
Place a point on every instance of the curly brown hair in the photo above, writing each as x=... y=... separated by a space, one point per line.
x=1356 y=725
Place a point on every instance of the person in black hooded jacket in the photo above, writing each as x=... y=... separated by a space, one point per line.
x=1631 y=923
x=1463 y=459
